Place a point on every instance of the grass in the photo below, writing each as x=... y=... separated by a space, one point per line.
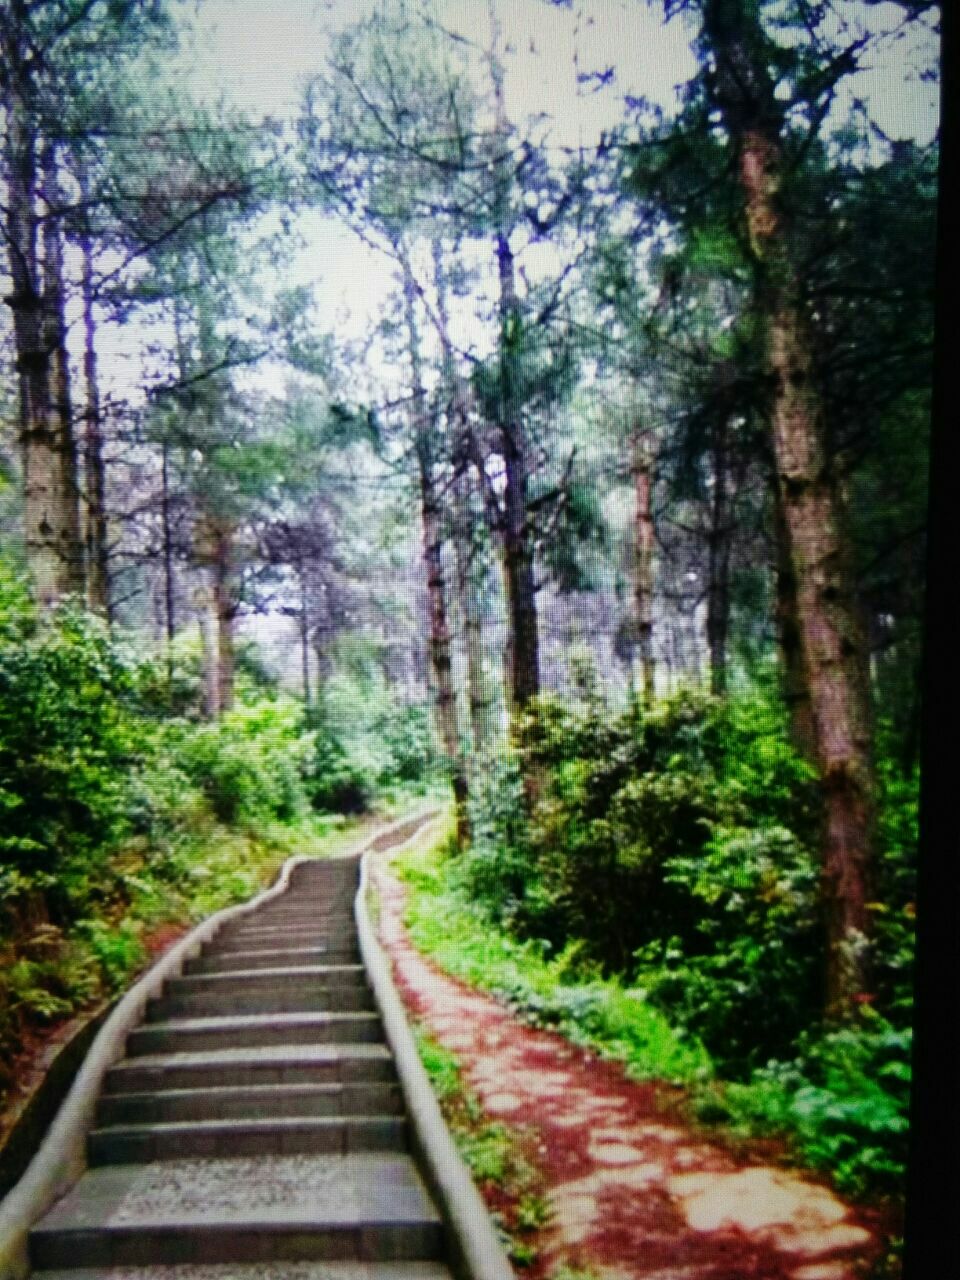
x=492 y=1151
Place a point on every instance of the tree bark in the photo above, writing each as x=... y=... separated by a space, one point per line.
x=224 y=610
x=794 y=683
x=43 y=495
x=304 y=621
x=833 y=648
x=61 y=403
x=645 y=547
x=470 y=596
x=518 y=558
x=169 y=590
x=95 y=470
x=718 y=566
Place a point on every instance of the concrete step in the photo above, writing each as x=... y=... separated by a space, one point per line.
x=302 y=978
x=189 y=1035
x=274 y=999
x=273 y=1135
x=304 y=906
x=289 y=919
x=301 y=932
x=259 y=1209
x=270 y=939
x=264 y=1271
x=225 y=962
x=281 y=1064
x=250 y=1101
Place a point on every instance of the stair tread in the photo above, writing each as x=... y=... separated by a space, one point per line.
x=215 y=1022
x=281 y=972
x=243 y=1054
x=237 y=1123
x=305 y=1191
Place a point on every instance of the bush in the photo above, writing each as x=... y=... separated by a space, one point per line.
x=69 y=740
x=844 y=1099
x=250 y=764
x=746 y=978
x=336 y=783
x=407 y=734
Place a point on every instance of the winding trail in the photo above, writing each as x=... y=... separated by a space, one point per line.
x=636 y=1194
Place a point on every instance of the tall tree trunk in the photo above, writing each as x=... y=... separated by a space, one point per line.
x=214 y=552
x=304 y=621
x=644 y=549
x=61 y=403
x=518 y=560
x=208 y=639
x=94 y=462
x=833 y=648
x=519 y=580
x=718 y=565
x=431 y=518
x=169 y=588
x=794 y=683
x=43 y=496
x=470 y=597
x=468 y=589
x=224 y=610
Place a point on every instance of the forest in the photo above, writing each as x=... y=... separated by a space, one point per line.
x=415 y=430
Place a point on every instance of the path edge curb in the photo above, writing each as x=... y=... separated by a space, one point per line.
x=61 y=1159
x=476 y=1249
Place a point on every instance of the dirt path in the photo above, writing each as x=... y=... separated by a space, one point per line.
x=636 y=1194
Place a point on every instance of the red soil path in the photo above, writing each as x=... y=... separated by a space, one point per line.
x=636 y=1193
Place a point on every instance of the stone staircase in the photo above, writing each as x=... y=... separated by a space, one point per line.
x=255 y=1128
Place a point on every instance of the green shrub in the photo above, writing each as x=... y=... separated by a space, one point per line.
x=335 y=783
x=69 y=740
x=408 y=738
x=843 y=1099
x=251 y=763
x=746 y=978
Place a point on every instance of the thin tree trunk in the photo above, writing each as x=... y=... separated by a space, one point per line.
x=834 y=651
x=61 y=404
x=95 y=471
x=517 y=546
x=519 y=581
x=208 y=640
x=718 y=566
x=469 y=595
x=225 y=612
x=304 y=640
x=644 y=550
x=431 y=518
x=169 y=590
x=468 y=590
